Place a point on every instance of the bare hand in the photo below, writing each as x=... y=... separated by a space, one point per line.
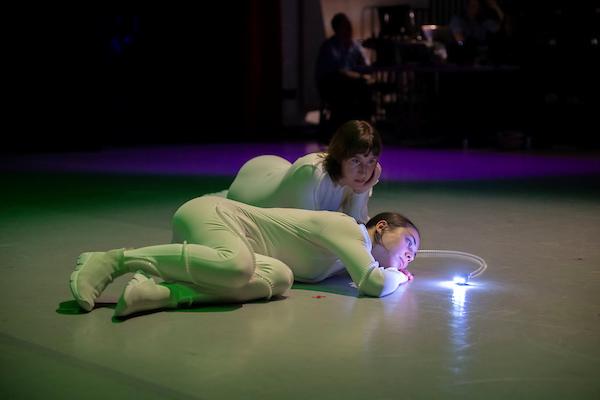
x=372 y=181
x=407 y=273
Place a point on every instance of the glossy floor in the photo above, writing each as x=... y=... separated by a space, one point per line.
x=528 y=328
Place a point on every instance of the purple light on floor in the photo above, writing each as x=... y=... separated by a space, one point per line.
x=443 y=165
x=406 y=165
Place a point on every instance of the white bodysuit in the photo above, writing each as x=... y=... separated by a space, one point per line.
x=228 y=242
x=271 y=181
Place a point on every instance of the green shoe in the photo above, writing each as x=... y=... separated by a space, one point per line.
x=93 y=272
x=142 y=294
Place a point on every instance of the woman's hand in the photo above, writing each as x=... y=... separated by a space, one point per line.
x=407 y=273
x=372 y=181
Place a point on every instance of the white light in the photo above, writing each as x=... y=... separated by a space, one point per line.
x=460 y=280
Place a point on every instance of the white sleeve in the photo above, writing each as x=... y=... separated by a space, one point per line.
x=345 y=239
x=382 y=281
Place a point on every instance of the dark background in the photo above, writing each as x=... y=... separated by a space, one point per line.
x=123 y=80
x=74 y=82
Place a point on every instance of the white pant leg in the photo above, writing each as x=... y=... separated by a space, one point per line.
x=213 y=252
x=271 y=278
x=230 y=266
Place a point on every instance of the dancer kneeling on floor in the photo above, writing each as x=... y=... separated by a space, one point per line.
x=340 y=180
x=226 y=251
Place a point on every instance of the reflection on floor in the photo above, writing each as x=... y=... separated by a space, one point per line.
x=527 y=328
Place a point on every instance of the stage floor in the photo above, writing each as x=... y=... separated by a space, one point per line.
x=528 y=328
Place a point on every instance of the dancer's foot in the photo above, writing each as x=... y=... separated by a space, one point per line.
x=142 y=294
x=92 y=273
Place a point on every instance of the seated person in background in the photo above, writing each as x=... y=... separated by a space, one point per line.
x=474 y=31
x=340 y=83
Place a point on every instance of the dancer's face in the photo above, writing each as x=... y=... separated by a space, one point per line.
x=397 y=246
x=357 y=170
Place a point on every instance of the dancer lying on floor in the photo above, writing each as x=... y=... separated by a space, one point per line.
x=226 y=251
x=340 y=180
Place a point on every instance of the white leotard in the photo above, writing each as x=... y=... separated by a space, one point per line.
x=271 y=181
x=310 y=243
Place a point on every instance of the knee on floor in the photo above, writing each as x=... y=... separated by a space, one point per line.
x=239 y=266
x=281 y=277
